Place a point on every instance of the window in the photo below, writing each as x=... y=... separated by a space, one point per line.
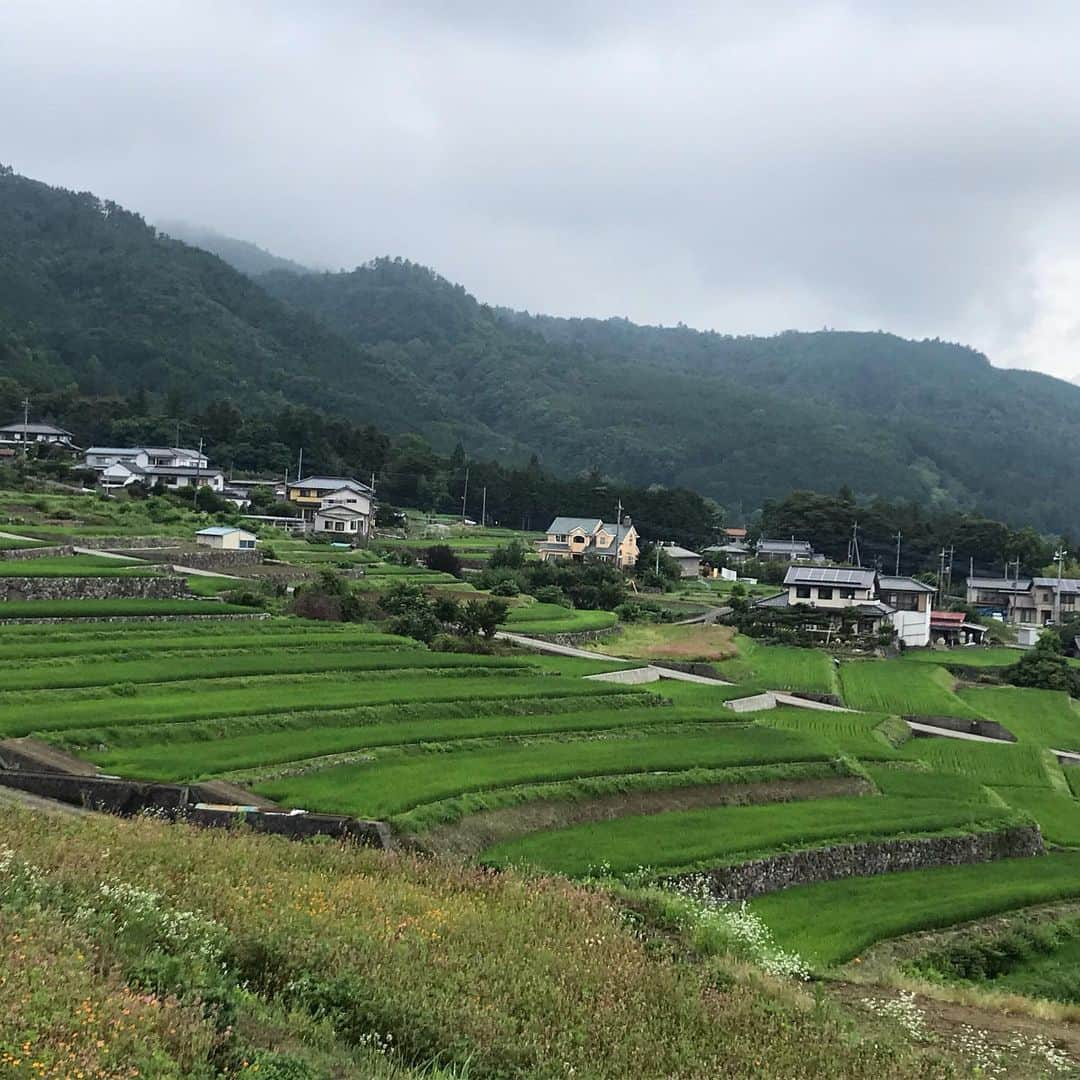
x=824 y=593
x=339 y=526
x=579 y=540
x=247 y=543
x=846 y=594
x=560 y=538
x=802 y=592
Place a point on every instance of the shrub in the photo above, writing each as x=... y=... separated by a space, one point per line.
x=506 y=587
x=1045 y=667
x=509 y=556
x=441 y=558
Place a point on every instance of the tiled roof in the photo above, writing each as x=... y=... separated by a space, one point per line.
x=904 y=584
x=562 y=525
x=677 y=552
x=1000 y=584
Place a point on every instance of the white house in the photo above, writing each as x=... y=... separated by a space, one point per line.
x=101 y=457
x=120 y=475
x=226 y=538
x=862 y=596
x=350 y=523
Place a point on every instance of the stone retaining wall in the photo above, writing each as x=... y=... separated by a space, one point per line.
x=36 y=553
x=177 y=802
x=92 y=588
x=575 y=638
x=744 y=881
x=134 y=543
x=232 y=615
x=213 y=559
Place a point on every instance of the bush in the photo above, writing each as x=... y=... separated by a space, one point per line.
x=506 y=587
x=441 y=558
x=509 y=556
x=1045 y=667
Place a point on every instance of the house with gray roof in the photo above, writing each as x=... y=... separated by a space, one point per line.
x=786 y=551
x=859 y=596
x=24 y=435
x=689 y=562
x=579 y=538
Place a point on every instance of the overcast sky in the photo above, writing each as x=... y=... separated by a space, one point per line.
x=906 y=165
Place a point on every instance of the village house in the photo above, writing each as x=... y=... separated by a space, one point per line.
x=860 y=597
x=689 y=562
x=337 y=518
x=1024 y=601
x=172 y=467
x=952 y=628
x=734 y=552
x=312 y=493
x=736 y=534
x=226 y=538
x=790 y=551
x=23 y=435
x=578 y=538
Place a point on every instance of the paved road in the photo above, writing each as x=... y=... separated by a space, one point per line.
x=948 y=733
x=106 y=554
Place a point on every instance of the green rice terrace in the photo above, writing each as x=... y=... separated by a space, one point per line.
x=649 y=795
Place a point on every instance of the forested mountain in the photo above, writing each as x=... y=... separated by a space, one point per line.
x=91 y=296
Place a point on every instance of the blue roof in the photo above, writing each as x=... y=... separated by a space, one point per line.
x=220 y=530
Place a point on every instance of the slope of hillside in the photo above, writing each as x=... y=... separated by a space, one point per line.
x=244 y=256
x=93 y=297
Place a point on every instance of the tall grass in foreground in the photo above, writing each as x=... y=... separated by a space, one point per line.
x=314 y=954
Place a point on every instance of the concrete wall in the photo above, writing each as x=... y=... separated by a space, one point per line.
x=130 y=543
x=912 y=627
x=92 y=588
x=760 y=876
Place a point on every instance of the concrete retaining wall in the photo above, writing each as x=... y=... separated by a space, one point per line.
x=51 y=552
x=744 y=881
x=990 y=729
x=92 y=588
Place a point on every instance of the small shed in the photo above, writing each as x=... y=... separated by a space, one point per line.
x=689 y=561
x=226 y=538
x=341 y=519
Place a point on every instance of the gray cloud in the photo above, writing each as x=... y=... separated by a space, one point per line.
x=913 y=166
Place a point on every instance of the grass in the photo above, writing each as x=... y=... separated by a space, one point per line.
x=976 y=657
x=391 y=785
x=986 y=763
x=890 y=686
x=264 y=697
x=666 y=641
x=699 y=839
x=780 y=667
x=8 y=544
x=836 y=920
x=553 y=619
x=1040 y=717
x=104 y=609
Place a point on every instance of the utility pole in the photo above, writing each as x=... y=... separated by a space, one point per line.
x=899 y=537
x=198 y=476
x=26 y=424
x=465 y=494
x=177 y=443
x=483 y=509
x=1060 y=555
x=658 y=558
x=300 y=466
x=618 y=523
x=853 y=547
x=941 y=575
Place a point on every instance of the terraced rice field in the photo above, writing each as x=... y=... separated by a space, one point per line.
x=1047 y=718
x=553 y=619
x=780 y=667
x=901 y=688
x=569 y=772
x=107 y=609
x=73 y=566
x=699 y=839
x=837 y=920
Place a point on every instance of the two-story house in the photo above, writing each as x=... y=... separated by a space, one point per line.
x=860 y=597
x=576 y=538
x=310 y=494
x=1024 y=601
x=170 y=466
